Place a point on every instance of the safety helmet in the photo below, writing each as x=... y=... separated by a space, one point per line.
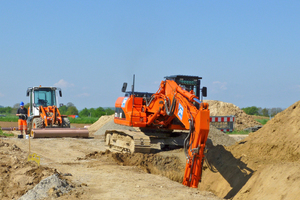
x=22 y=103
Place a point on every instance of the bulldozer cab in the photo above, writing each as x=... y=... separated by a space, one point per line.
x=42 y=96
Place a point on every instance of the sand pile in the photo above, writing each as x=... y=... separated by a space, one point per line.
x=218 y=137
x=242 y=120
x=266 y=165
x=99 y=123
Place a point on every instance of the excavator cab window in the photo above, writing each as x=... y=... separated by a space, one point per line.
x=188 y=83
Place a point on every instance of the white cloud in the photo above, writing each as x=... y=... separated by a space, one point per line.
x=217 y=85
x=64 y=84
x=83 y=95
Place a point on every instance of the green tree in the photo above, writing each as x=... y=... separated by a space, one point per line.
x=70 y=104
x=84 y=113
x=253 y=110
x=27 y=105
x=72 y=110
x=6 y=110
x=109 y=111
x=92 y=112
x=265 y=112
x=99 y=112
x=274 y=111
x=15 y=108
x=63 y=110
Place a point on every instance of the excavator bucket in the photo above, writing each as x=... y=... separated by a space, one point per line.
x=60 y=133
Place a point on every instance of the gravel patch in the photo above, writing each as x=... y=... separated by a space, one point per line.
x=50 y=186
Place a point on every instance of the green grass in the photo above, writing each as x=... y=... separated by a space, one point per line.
x=83 y=120
x=80 y=120
x=5 y=134
x=262 y=121
x=9 y=118
x=239 y=132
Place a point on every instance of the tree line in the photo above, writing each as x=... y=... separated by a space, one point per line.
x=69 y=109
x=267 y=112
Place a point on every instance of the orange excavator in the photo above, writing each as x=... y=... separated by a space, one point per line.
x=164 y=118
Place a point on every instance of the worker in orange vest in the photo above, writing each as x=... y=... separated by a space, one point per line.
x=22 y=123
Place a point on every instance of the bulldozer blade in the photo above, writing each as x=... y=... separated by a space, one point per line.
x=60 y=132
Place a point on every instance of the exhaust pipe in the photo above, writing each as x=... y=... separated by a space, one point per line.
x=60 y=133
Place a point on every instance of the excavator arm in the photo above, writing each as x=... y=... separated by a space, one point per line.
x=194 y=146
x=180 y=104
x=196 y=120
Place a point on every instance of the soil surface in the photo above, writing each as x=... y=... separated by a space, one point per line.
x=264 y=165
x=93 y=172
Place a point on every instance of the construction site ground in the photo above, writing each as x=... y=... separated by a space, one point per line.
x=263 y=165
x=94 y=173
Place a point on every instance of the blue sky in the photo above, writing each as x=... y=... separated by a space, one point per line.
x=247 y=52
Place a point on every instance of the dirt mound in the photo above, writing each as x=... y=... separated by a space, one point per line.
x=104 y=123
x=278 y=140
x=242 y=120
x=218 y=137
x=99 y=123
x=266 y=165
x=112 y=126
x=17 y=175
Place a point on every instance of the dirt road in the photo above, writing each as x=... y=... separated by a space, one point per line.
x=98 y=177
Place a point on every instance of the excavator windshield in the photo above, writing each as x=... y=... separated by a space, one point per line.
x=44 y=97
x=187 y=83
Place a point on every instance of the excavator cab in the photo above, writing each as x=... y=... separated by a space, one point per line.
x=189 y=83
